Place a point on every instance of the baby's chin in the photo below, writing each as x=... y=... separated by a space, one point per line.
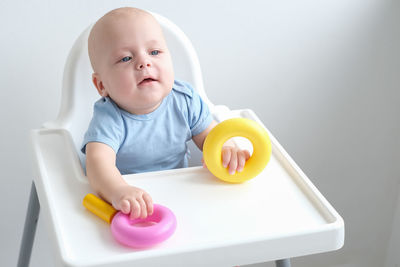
x=149 y=102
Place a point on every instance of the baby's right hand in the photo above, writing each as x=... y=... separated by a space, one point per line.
x=132 y=200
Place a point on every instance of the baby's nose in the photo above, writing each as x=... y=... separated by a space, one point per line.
x=143 y=64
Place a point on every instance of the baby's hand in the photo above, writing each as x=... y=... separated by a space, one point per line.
x=132 y=200
x=234 y=158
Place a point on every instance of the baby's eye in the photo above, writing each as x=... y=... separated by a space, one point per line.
x=126 y=59
x=154 y=52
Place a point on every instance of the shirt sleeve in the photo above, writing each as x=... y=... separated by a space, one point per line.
x=106 y=126
x=199 y=116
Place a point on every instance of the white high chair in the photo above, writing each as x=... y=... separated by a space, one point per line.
x=275 y=216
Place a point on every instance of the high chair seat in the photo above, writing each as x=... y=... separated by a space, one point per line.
x=275 y=216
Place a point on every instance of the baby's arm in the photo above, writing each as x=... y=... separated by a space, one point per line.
x=106 y=180
x=232 y=156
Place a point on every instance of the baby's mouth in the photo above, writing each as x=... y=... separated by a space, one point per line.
x=146 y=81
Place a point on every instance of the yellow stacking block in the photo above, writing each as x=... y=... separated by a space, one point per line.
x=99 y=207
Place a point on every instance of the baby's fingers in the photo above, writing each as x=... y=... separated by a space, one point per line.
x=143 y=208
x=233 y=164
x=124 y=206
x=241 y=161
x=226 y=156
x=246 y=154
x=135 y=209
x=243 y=155
x=149 y=203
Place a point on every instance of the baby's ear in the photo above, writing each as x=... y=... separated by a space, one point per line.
x=99 y=84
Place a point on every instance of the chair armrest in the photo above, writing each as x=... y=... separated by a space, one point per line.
x=54 y=156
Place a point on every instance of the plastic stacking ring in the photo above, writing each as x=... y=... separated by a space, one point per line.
x=138 y=233
x=227 y=129
x=126 y=232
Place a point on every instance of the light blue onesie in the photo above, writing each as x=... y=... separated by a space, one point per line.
x=154 y=141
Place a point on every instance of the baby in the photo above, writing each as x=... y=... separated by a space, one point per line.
x=144 y=118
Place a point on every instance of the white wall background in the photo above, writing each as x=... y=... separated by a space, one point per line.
x=324 y=76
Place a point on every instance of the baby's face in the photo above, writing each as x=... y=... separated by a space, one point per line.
x=133 y=63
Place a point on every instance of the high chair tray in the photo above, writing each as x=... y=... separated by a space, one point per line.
x=278 y=214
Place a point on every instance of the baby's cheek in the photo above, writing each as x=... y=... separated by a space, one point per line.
x=167 y=74
x=126 y=81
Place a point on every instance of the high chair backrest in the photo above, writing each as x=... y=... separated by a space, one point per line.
x=79 y=93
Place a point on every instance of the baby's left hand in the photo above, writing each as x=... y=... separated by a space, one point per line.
x=234 y=158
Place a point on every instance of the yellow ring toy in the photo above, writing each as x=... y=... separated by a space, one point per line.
x=227 y=129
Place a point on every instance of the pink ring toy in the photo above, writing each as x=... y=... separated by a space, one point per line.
x=128 y=233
